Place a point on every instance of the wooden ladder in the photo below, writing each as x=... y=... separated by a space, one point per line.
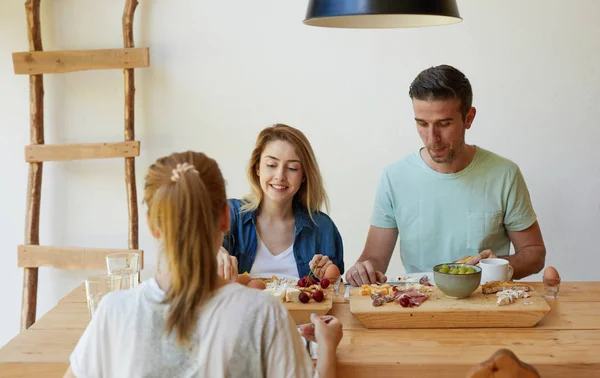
x=36 y=63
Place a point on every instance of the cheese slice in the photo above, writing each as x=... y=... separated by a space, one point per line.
x=514 y=294
x=504 y=300
x=278 y=293
x=291 y=294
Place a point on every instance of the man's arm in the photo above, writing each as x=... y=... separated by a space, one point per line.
x=379 y=247
x=374 y=260
x=530 y=251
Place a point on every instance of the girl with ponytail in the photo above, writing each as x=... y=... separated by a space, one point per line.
x=186 y=321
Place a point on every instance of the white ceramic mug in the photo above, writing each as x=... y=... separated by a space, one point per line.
x=494 y=269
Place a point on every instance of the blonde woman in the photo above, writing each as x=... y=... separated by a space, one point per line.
x=279 y=229
x=186 y=322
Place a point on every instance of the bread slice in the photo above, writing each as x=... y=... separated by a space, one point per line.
x=463 y=260
x=496 y=286
x=504 y=363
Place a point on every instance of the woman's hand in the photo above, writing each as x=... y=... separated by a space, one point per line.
x=227 y=265
x=318 y=265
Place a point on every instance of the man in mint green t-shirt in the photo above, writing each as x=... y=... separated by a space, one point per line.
x=449 y=200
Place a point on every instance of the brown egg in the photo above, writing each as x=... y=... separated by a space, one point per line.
x=551 y=275
x=257 y=284
x=244 y=279
x=332 y=273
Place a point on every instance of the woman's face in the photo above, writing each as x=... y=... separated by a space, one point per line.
x=280 y=172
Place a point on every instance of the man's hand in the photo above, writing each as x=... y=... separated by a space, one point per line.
x=227 y=265
x=318 y=265
x=480 y=256
x=376 y=255
x=363 y=273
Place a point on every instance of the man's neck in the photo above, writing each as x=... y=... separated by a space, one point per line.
x=464 y=156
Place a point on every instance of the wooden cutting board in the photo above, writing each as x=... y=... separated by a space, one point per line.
x=440 y=311
x=301 y=311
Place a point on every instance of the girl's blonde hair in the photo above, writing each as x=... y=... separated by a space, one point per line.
x=185 y=194
x=311 y=194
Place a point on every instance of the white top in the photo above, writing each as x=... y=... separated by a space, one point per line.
x=268 y=265
x=245 y=332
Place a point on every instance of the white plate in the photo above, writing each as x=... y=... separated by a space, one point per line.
x=416 y=276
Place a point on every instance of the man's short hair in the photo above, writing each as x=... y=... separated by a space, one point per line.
x=442 y=83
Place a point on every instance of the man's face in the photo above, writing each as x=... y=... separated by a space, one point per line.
x=441 y=127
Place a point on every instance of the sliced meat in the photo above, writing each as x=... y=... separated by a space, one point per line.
x=411 y=291
x=377 y=302
x=417 y=301
x=411 y=298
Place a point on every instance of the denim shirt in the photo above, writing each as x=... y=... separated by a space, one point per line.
x=310 y=238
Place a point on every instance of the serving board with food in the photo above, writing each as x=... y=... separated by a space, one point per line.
x=422 y=305
x=301 y=297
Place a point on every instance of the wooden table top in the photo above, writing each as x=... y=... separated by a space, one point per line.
x=565 y=343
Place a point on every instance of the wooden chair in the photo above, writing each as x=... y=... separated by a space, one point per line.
x=504 y=364
x=36 y=63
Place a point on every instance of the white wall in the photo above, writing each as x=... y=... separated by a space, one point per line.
x=222 y=70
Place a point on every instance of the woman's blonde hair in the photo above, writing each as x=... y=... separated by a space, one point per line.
x=312 y=194
x=185 y=194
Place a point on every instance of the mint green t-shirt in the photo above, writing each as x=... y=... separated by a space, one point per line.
x=445 y=217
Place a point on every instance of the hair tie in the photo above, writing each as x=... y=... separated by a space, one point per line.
x=180 y=169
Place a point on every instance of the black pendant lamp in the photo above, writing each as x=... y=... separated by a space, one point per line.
x=381 y=13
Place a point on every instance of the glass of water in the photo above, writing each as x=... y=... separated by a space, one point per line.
x=125 y=265
x=97 y=286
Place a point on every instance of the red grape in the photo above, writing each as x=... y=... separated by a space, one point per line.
x=303 y=297
x=318 y=296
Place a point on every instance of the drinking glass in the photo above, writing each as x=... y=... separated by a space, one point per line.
x=551 y=288
x=336 y=286
x=125 y=265
x=97 y=286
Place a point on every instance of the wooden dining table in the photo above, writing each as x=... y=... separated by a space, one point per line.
x=565 y=344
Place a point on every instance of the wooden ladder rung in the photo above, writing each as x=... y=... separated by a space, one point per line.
x=52 y=62
x=70 y=258
x=57 y=152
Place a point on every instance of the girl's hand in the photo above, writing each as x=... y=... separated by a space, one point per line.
x=328 y=331
x=227 y=265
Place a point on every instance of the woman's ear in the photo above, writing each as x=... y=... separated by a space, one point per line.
x=257 y=169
